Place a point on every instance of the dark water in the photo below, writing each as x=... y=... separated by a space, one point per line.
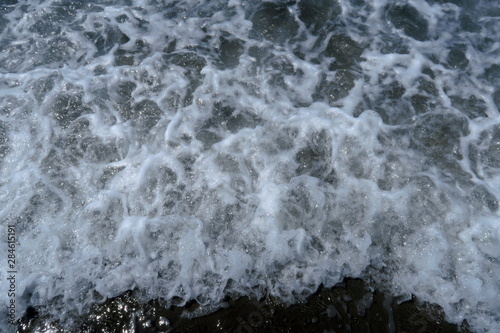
x=348 y=307
x=192 y=150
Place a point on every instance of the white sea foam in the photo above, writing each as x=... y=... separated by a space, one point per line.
x=192 y=149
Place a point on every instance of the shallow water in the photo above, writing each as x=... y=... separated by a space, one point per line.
x=194 y=149
x=350 y=306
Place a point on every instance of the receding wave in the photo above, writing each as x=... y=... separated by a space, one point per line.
x=191 y=149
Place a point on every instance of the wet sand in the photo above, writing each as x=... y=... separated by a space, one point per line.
x=350 y=306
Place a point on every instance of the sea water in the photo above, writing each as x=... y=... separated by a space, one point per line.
x=198 y=149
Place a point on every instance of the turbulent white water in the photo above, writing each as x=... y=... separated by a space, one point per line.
x=196 y=148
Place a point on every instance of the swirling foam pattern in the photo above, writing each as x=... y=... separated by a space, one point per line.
x=192 y=149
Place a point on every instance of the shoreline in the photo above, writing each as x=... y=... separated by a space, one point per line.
x=350 y=306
